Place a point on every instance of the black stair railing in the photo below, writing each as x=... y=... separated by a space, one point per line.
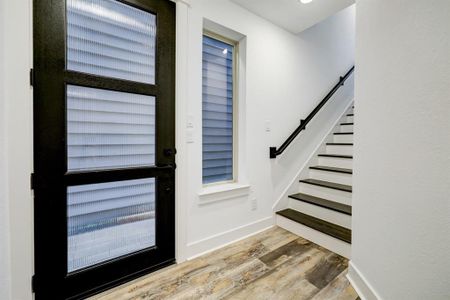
x=274 y=152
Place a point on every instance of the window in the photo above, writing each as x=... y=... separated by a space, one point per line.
x=111 y=39
x=109 y=130
x=108 y=220
x=219 y=58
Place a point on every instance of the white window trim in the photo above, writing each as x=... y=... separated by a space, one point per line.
x=235 y=100
x=239 y=187
x=224 y=191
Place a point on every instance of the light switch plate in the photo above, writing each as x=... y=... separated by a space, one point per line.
x=190 y=121
x=189 y=136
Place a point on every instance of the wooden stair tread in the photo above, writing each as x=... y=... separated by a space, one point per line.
x=332 y=169
x=327 y=184
x=336 y=231
x=339 y=144
x=332 y=205
x=336 y=156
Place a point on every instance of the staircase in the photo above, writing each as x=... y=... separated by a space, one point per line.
x=321 y=210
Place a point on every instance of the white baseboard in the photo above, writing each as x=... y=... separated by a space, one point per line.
x=222 y=239
x=360 y=284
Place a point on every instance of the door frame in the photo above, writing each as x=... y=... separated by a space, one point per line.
x=46 y=69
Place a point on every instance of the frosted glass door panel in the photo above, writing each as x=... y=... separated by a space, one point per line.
x=109 y=220
x=109 y=38
x=217 y=111
x=108 y=129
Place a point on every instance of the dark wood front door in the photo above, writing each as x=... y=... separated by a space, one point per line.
x=104 y=138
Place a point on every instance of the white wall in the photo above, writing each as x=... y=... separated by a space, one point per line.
x=286 y=76
x=401 y=179
x=16 y=251
x=5 y=284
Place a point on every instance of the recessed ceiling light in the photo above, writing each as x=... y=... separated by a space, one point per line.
x=305 y=1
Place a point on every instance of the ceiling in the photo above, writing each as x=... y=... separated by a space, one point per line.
x=293 y=15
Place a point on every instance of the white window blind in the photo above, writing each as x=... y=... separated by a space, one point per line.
x=109 y=38
x=217 y=110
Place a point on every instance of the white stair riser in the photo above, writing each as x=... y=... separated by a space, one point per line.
x=335 y=177
x=326 y=193
x=346 y=128
x=339 y=149
x=317 y=237
x=322 y=213
x=348 y=119
x=336 y=162
x=343 y=138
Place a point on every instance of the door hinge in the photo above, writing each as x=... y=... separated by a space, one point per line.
x=32 y=181
x=31 y=77
x=33 y=284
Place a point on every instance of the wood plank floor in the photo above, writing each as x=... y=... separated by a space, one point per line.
x=274 y=264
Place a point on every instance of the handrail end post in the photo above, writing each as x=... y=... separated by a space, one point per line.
x=273 y=152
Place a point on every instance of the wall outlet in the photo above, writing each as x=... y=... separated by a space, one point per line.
x=254 y=204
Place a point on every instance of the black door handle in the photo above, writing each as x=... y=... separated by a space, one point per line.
x=169 y=152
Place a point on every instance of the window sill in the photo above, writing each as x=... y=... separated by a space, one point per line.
x=223 y=192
